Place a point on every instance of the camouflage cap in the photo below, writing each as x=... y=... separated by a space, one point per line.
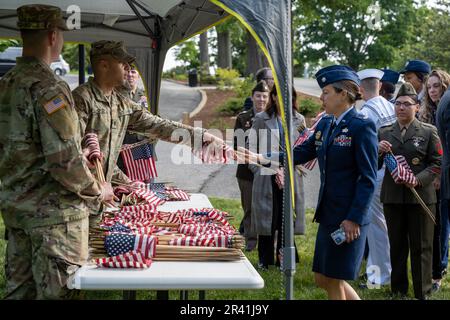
x=407 y=89
x=116 y=49
x=40 y=17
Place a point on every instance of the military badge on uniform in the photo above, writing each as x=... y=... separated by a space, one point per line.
x=55 y=104
x=345 y=130
x=343 y=141
x=318 y=135
x=417 y=141
x=415 y=161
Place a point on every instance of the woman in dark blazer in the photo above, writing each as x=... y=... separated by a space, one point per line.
x=345 y=144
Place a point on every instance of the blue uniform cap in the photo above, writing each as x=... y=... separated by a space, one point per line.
x=390 y=76
x=330 y=68
x=416 y=66
x=336 y=74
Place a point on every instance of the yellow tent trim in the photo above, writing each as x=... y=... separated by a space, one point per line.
x=280 y=100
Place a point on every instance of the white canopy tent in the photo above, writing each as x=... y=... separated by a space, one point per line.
x=149 y=28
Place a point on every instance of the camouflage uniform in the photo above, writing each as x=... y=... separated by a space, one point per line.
x=111 y=117
x=44 y=180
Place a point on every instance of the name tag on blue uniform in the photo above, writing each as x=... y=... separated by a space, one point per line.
x=343 y=141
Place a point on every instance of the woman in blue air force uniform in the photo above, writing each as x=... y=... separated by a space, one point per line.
x=345 y=143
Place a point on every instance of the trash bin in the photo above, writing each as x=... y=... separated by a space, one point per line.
x=193 y=78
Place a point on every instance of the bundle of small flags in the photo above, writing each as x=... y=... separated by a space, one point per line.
x=170 y=193
x=211 y=153
x=128 y=250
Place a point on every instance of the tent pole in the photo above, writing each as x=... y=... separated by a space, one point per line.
x=81 y=78
x=289 y=248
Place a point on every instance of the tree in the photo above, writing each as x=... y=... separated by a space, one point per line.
x=204 y=53
x=255 y=58
x=224 y=45
x=188 y=54
x=429 y=38
x=352 y=32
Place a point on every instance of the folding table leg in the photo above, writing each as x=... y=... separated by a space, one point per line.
x=162 y=295
x=184 y=295
x=129 y=295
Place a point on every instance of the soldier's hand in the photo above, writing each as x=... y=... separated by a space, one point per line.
x=279 y=178
x=352 y=230
x=437 y=183
x=208 y=137
x=411 y=185
x=384 y=146
x=107 y=196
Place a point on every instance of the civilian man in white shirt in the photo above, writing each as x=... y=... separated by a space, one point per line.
x=382 y=113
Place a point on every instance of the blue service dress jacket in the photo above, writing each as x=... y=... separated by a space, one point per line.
x=348 y=162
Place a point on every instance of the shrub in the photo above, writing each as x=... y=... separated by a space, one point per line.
x=227 y=77
x=308 y=107
x=244 y=88
x=232 y=106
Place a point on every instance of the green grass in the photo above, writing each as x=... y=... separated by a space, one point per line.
x=304 y=287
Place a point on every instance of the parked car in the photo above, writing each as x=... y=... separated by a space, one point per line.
x=8 y=61
x=60 y=67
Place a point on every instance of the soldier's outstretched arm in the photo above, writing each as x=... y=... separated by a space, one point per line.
x=61 y=141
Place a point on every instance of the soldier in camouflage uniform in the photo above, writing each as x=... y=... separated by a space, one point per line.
x=106 y=112
x=44 y=179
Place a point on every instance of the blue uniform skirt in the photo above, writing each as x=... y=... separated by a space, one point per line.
x=338 y=261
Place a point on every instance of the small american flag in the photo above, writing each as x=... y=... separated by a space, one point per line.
x=139 y=162
x=117 y=243
x=399 y=169
x=132 y=259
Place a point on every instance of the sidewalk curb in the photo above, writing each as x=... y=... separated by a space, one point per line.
x=201 y=105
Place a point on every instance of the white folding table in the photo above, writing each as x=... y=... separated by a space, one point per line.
x=169 y=275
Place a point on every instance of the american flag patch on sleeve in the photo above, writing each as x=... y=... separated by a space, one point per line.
x=55 y=104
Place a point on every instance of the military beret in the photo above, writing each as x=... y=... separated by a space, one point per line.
x=261 y=86
x=40 y=17
x=338 y=73
x=116 y=49
x=406 y=89
x=370 y=73
x=390 y=76
x=416 y=66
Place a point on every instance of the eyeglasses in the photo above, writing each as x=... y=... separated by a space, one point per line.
x=406 y=104
x=268 y=79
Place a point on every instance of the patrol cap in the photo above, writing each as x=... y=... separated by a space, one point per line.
x=116 y=49
x=40 y=17
x=333 y=67
x=261 y=86
x=370 y=73
x=335 y=74
x=416 y=66
x=407 y=89
x=390 y=76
